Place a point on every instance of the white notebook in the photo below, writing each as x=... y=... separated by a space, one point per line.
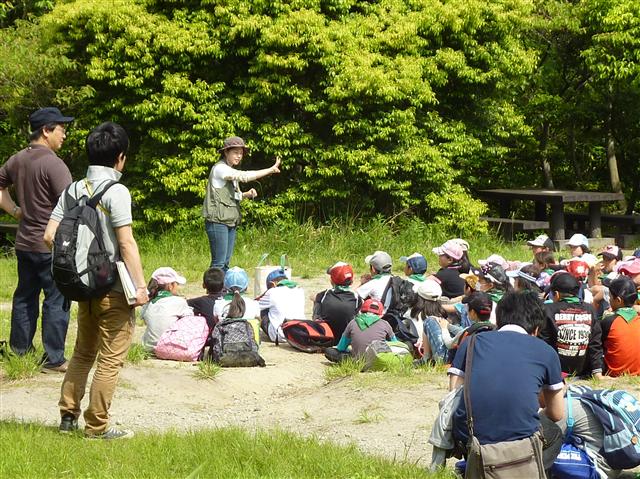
x=127 y=283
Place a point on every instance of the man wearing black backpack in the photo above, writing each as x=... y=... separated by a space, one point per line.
x=39 y=177
x=105 y=324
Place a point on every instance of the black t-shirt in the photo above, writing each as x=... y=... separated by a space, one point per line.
x=450 y=281
x=203 y=306
x=337 y=308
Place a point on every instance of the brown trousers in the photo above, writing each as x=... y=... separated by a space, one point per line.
x=105 y=330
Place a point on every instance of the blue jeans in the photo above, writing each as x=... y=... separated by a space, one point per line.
x=222 y=239
x=434 y=335
x=34 y=276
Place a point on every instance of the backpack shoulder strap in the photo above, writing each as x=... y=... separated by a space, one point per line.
x=95 y=199
x=385 y=293
x=467 y=383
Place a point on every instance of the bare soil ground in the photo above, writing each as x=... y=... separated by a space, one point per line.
x=382 y=415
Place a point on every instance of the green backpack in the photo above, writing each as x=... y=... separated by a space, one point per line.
x=386 y=356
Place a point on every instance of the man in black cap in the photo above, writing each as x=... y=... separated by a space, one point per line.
x=39 y=177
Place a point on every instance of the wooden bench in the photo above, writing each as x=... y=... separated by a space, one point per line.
x=631 y=222
x=509 y=226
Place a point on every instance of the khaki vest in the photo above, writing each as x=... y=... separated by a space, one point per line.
x=220 y=206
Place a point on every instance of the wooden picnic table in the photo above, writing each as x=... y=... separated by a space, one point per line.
x=557 y=200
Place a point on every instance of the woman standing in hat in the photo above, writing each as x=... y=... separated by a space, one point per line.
x=221 y=209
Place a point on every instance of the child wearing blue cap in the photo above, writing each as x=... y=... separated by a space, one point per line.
x=282 y=300
x=236 y=282
x=415 y=269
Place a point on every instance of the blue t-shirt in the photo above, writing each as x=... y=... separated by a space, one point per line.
x=509 y=370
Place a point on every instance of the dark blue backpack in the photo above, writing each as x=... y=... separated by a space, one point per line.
x=619 y=413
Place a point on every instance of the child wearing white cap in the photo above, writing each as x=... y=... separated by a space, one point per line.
x=164 y=307
x=578 y=244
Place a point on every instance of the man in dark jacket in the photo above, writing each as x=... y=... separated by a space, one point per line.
x=338 y=305
x=572 y=329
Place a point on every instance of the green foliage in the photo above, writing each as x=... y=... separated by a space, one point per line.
x=207 y=370
x=345 y=369
x=33 y=450
x=137 y=353
x=21 y=367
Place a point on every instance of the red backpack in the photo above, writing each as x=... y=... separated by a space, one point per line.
x=308 y=336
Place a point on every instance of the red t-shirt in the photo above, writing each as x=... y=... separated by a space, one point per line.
x=621 y=341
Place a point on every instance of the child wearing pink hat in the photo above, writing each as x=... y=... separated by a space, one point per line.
x=164 y=306
x=449 y=258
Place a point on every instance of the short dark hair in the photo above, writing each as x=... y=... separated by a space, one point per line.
x=481 y=303
x=213 y=280
x=106 y=143
x=564 y=284
x=37 y=134
x=624 y=288
x=521 y=308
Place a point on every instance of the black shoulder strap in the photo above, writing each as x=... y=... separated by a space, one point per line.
x=95 y=199
x=383 y=298
x=467 y=383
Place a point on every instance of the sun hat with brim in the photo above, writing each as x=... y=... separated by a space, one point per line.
x=463 y=244
x=611 y=252
x=341 y=273
x=236 y=278
x=540 y=241
x=234 y=142
x=416 y=262
x=497 y=259
x=429 y=290
x=45 y=116
x=494 y=272
x=578 y=240
x=167 y=275
x=380 y=260
x=449 y=248
x=470 y=278
x=630 y=267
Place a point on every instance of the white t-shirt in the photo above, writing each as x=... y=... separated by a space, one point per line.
x=283 y=303
x=221 y=308
x=374 y=288
x=221 y=173
x=159 y=315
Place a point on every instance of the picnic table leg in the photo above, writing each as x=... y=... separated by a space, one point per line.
x=557 y=221
x=540 y=211
x=595 y=220
x=505 y=208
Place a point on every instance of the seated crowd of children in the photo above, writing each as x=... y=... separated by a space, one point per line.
x=591 y=311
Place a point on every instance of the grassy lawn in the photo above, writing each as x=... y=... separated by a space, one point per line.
x=32 y=450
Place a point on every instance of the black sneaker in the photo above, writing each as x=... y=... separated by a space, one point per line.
x=68 y=424
x=111 y=433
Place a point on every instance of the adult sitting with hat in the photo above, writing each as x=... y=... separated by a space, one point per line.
x=221 y=208
x=339 y=304
x=39 y=177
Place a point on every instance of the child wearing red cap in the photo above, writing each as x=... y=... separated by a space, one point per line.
x=339 y=304
x=366 y=327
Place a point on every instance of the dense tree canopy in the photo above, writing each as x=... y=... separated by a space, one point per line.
x=374 y=106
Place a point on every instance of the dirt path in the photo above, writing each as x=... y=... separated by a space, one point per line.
x=380 y=414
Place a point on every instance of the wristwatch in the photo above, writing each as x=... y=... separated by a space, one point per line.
x=15 y=208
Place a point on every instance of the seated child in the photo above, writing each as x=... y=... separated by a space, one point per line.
x=236 y=280
x=427 y=307
x=571 y=328
x=449 y=258
x=578 y=244
x=338 y=305
x=465 y=262
x=282 y=300
x=621 y=330
x=415 y=268
x=542 y=244
x=212 y=282
x=527 y=278
x=164 y=306
x=365 y=328
x=479 y=307
x=374 y=284
x=493 y=280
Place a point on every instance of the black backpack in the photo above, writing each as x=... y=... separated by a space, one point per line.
x=402 y=294
x=80 y=265
x=233 y=345
x=403 y=328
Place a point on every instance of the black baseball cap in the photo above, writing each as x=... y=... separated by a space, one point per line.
x=47 y=115
x=564 y=283
x=480 y=302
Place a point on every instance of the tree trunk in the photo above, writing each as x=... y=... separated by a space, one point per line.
x=616 y=186
x=546 y=166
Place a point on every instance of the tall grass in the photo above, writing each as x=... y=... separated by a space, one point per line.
x=32 y=450
x=22 y=367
